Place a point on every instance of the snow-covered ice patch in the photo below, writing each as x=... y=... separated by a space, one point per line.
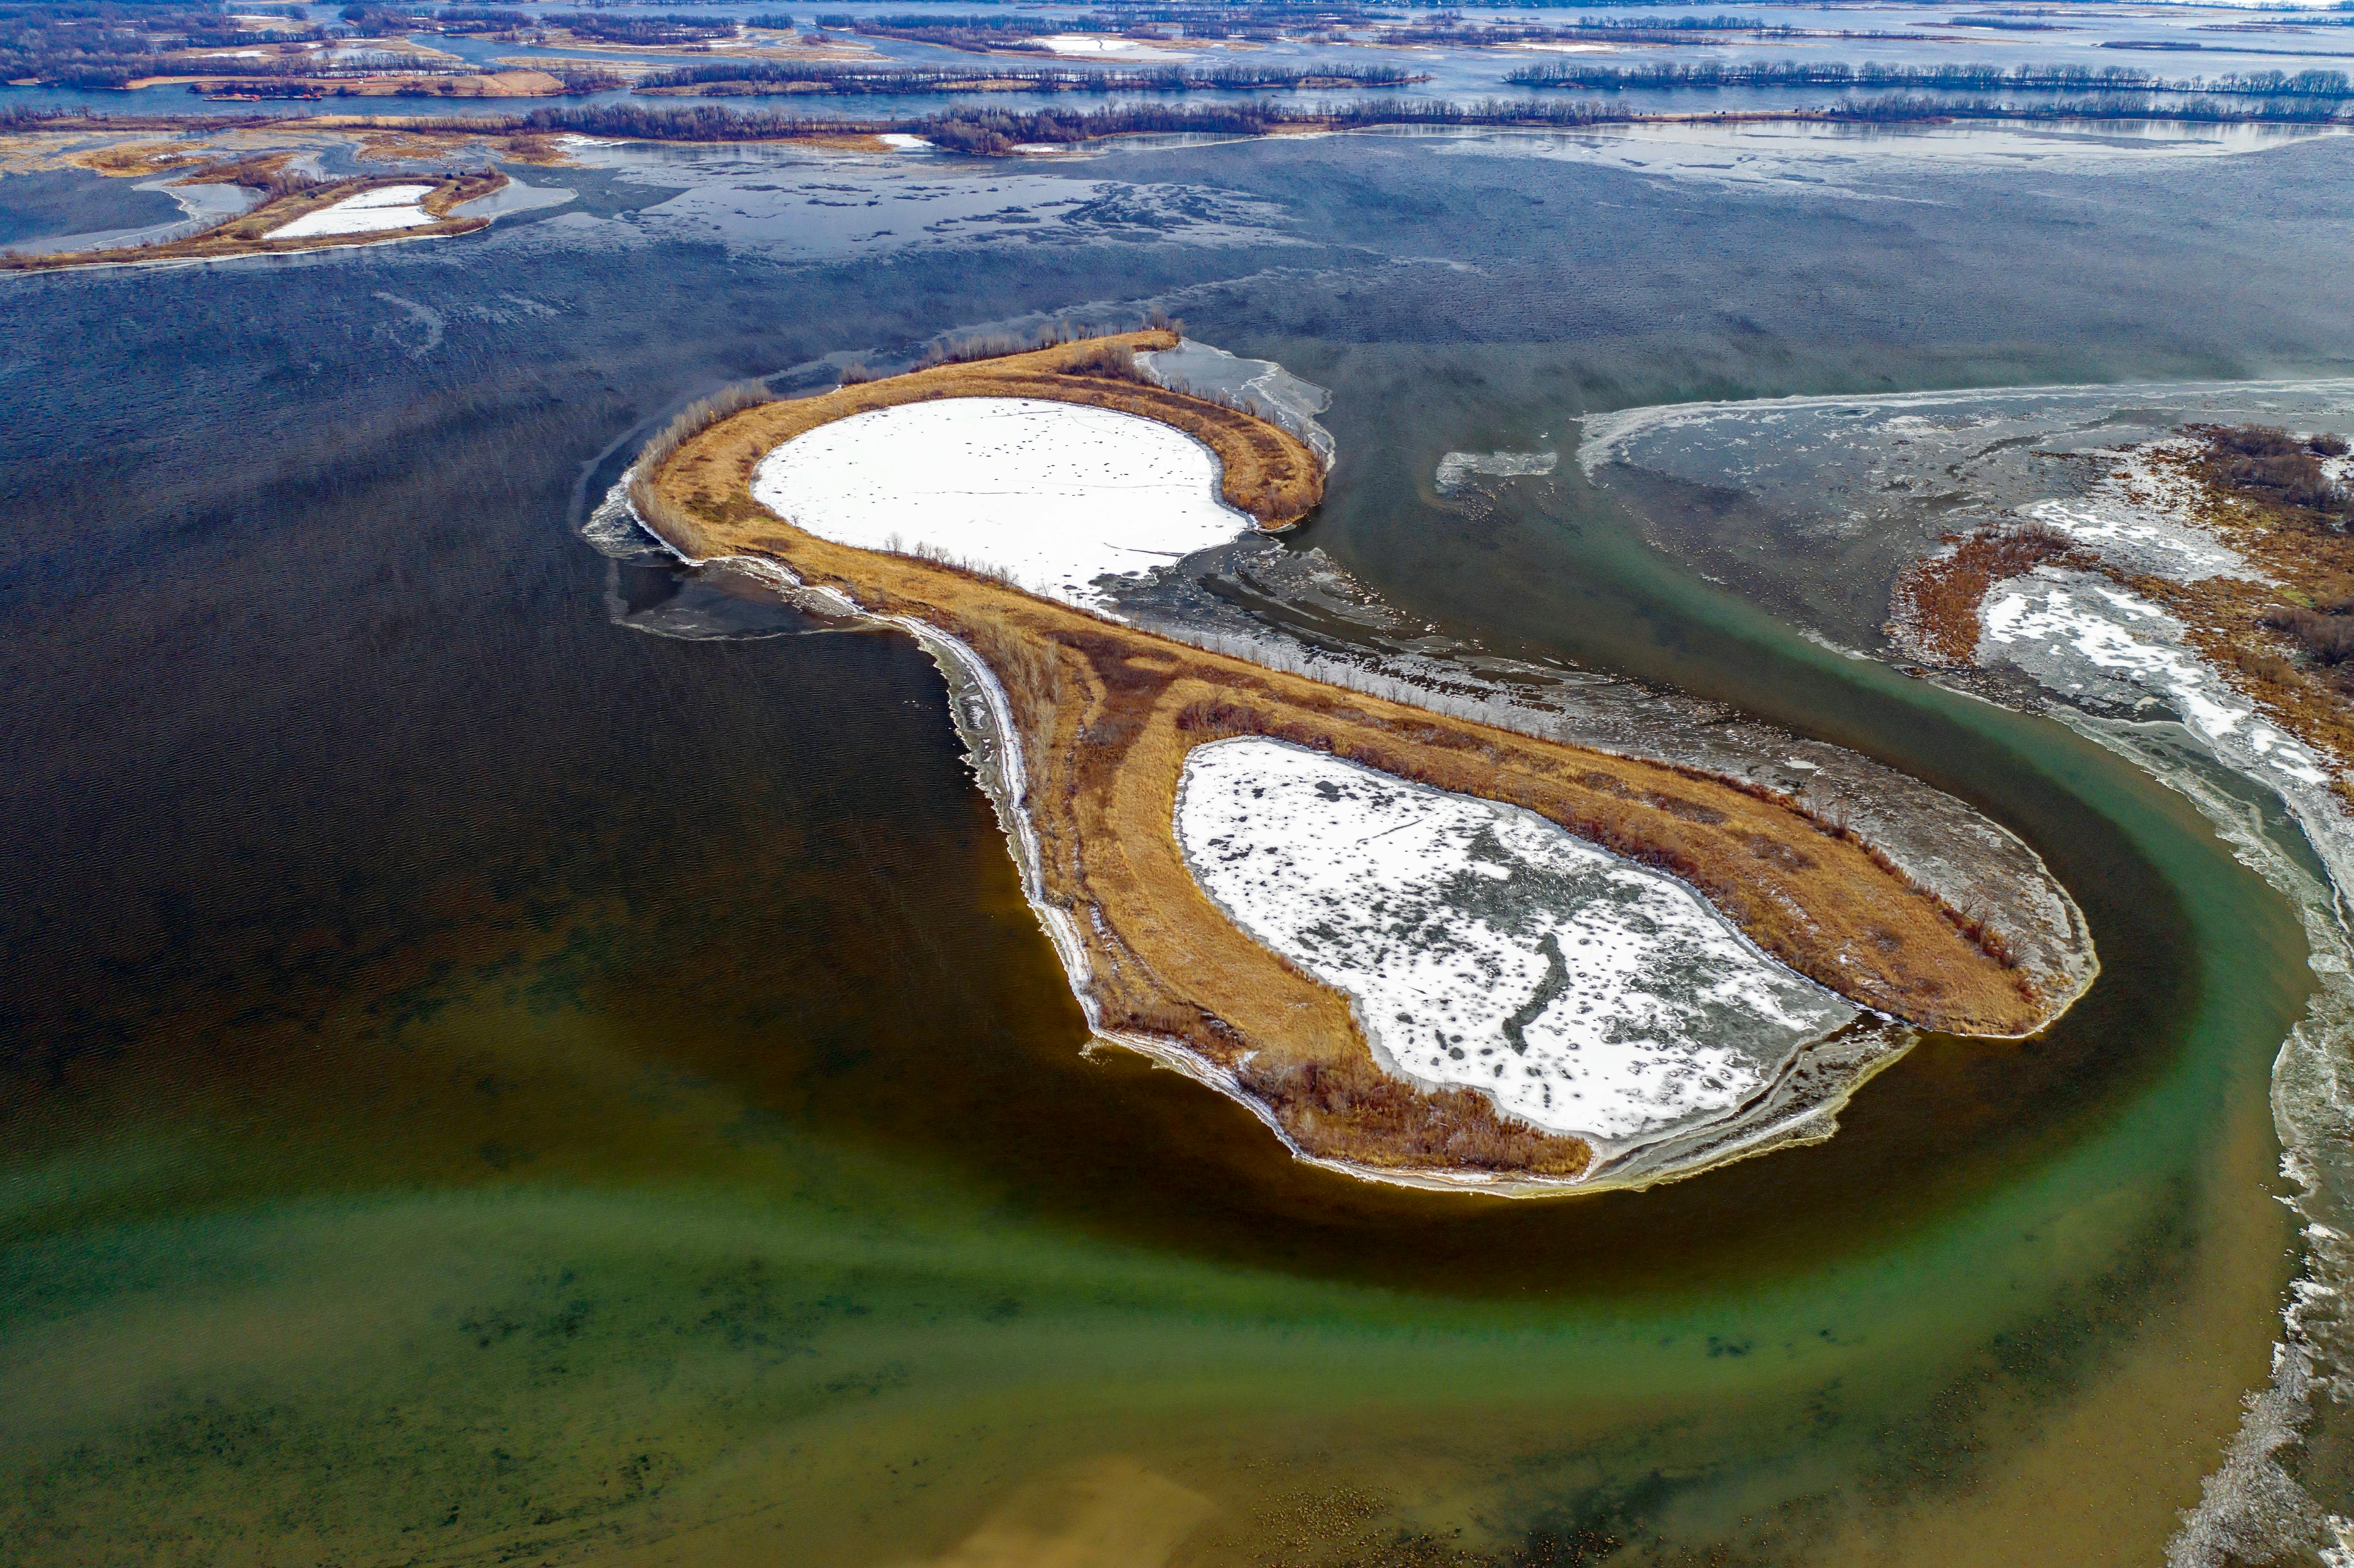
x=1087 y=44
x=1456 y=469
x=1055 y=497
x=2081 y=637
x=386 y=208
x=2138 y=517
x=904 y=142
x=1485 y=948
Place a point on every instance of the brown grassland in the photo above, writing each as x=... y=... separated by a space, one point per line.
x=1105 y=714
x=250 y=233
x=1935 y=607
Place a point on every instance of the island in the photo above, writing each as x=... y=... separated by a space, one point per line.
x=1418 y=947
x=295 y=212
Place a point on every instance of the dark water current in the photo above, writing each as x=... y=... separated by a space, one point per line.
x=483 y=1083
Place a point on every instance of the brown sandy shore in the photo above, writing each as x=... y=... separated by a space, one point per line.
x=250 y=233
x=1102 y=717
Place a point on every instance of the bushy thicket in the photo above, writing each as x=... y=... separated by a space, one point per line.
x=798 y=76
x=2283 y=469
x=2330 y=85
x=483 y=19
x=643 y=30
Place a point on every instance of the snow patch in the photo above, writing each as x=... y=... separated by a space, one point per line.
x=386 y=208
x=2138 y=516
x=1087 y=43
x=2084 y=637
x=1485 y=948
x=1053 y=496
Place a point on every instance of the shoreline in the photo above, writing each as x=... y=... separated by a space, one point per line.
x=1082 y=718
x=1052 y=130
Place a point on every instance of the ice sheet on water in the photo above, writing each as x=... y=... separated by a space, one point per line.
x=1058 y=497
x=1485 y=948
x=2084 y=638
x=1456 y=469
x=1263 y=387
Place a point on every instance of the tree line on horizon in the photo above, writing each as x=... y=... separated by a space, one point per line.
x=2313 y=84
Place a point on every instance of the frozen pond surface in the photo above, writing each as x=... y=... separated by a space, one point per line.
x=1056 y=496
x=1485 y=948
x=387 y=208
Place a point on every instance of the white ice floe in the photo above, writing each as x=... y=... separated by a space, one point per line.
x=386 y=208
x=902 y=141
x=2082 y=637
x=1483 y=947
x=1088 y=43
x=1456 y=469
x=1054 y=496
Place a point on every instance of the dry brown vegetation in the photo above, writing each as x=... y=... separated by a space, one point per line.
x=2281 y=470
x=1935 y=607
x=2283 y=645
x=1105 y=715
x=137 y=160
x=287 y=198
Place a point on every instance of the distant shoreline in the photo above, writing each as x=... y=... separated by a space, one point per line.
x=990 y=131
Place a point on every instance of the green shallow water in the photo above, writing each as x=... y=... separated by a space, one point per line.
x=609 y=1241
x=491 y=1085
